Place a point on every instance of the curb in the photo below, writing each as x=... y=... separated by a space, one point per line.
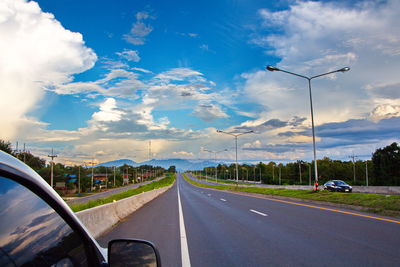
x=99 y=219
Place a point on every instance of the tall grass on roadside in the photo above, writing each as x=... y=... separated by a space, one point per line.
x=376 y=203
x=143 y=188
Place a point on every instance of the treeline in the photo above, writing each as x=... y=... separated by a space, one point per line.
x=382 y=169
x=71 y=176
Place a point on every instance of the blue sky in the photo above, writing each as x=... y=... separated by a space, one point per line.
x=100 y=79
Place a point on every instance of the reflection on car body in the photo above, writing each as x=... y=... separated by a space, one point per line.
x=37 y=228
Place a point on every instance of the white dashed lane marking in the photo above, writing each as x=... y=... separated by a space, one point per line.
x=259 y=213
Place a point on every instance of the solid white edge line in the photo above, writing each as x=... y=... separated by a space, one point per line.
x=259 y=213
x=222 y=199
x=184 y=246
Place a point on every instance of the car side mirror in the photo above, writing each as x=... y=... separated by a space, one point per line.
x=132 y=252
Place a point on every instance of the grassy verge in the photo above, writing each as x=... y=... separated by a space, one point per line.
x=388 y=205
x=144 y=188
x=221 y=181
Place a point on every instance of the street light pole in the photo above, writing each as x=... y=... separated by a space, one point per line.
x=271 y=68
x=236 y=158
x=215 y=160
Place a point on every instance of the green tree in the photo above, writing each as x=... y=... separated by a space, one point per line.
x=6 y=147
x=32 y=161
x=386 y=165
x=172 y=169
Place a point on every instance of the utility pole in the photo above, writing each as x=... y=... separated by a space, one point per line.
x=91 y=184
x=273 y=172
x=25 y=154
x=366 y=172
x=106 y=177
x=52 y=156
x=354 y=166
x=79 y=179
x=280 y=174
x=300 y=172
x=114 y=176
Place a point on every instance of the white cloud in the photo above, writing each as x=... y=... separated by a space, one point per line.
x=139 y=30
x=108 y=111
x=182 y=153
x=36 y=51
x=180 y=74
x=142 y=70
x=142 y=15
x=209 y=112
x=78 y=88
x=204 y=47
x=131 y=55
x=190 y=34
x=255 y=144
x=316 y=37
x=117 y=82
x=385 y=111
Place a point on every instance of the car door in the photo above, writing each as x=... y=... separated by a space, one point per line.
x=33 y=233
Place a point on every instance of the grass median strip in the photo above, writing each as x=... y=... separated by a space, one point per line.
x=388 y=205
x=222 y=181
x=144 y=188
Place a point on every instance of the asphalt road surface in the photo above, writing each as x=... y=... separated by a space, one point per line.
x=225 y=229
x=109 y=192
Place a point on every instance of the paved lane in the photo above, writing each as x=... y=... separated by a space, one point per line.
x=110 y=192
x=225 y=229
x=158 y=222
x=288 y=235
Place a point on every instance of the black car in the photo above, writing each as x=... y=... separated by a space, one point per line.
x=337 y=186
x=37 y=228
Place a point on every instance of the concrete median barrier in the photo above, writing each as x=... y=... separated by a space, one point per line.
x=99 y=219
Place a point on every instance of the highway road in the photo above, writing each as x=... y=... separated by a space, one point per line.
x=226 y=229
x=109 y=192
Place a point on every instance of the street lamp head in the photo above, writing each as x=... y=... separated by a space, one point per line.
x=272 y=68
x=344 y=69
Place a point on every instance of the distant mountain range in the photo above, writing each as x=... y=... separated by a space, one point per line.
x=180 y=164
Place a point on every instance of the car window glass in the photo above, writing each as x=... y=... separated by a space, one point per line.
x=32 y=233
